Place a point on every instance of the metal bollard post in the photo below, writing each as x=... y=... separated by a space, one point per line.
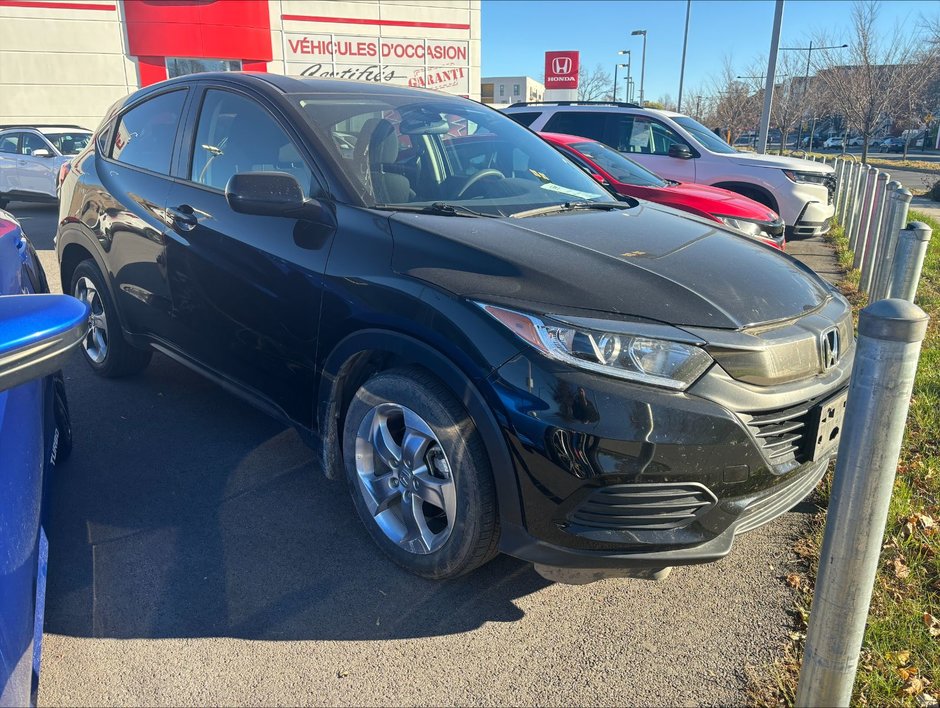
x=864 y=221
x=873 y=243
x=858 y=199
x=840 y=188
x=901 y=200
x=909 y=260
x=847 y=199
x=890 y=335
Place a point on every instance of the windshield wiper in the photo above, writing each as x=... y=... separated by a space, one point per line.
x=571 y=206
x=438 y=209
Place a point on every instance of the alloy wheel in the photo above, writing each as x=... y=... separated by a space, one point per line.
x=405 y=478
x=96 y=341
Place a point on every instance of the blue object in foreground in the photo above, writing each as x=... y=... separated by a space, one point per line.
x=37 y=332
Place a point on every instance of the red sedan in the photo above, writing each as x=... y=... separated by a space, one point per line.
x=630 y=179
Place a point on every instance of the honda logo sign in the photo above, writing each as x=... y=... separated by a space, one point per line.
x=561 y=70
x=561 y=66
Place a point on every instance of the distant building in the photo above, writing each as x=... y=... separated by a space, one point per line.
x=505 y=90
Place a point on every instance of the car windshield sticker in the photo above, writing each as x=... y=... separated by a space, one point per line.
x=570 y=192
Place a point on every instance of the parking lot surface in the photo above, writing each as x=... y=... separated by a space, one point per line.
x=198 y=556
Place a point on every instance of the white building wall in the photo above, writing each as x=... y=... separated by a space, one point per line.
x=62 y=65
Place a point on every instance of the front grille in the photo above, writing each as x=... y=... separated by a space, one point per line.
x=643 y=506
x=782 y=432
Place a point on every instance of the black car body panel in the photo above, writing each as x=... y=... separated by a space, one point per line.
x=653 y=265
x=294 y=315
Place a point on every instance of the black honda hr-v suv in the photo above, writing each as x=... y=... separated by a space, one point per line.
x=494 y=351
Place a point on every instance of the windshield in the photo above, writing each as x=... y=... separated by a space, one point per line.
x=411 y=150
x=617 y=166
x=69 y=143
x=706 y=137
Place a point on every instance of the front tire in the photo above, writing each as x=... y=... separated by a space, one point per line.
x=419 y=475
x=104 y=347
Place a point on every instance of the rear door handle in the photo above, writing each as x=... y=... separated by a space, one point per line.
x=184 y=217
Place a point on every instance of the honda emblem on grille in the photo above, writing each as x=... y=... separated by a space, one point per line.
x=830 y=348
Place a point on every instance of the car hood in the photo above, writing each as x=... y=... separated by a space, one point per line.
x=752 y=159
x=646 y=262
x=715 y=200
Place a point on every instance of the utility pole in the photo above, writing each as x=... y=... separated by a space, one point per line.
x=769 y=86
x=643 y=62
x=685 y=44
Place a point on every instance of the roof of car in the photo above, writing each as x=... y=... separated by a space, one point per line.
x=587 y=106
x=304 y=84
x=44 y=128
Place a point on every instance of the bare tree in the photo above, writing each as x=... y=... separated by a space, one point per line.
x=792 y=97
x=736 y=104
x=876 y=72
x=596 y=85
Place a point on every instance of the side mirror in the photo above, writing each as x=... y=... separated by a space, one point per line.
x=41 y=152
x=37 y=333
x=273 y=194
x=680 y=151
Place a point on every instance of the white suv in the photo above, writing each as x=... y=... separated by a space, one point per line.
x=31 y=157
x=680 y=148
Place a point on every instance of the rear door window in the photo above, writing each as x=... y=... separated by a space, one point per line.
x=587 y=124
x=9 y=143
x=31 y=143
x=146 y=133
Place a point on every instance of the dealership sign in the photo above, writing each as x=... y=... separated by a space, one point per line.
x=561 y=70
x=423 y=63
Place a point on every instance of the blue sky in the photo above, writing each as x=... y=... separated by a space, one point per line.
x=517 y=33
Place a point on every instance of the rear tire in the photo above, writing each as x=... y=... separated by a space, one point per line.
x=104 y=347
x=419 y=475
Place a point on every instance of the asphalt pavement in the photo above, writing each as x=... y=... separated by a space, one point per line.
x=198 y=556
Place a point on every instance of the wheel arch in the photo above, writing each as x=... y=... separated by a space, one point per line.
x=367 y=352
x=74 y=247
x=747 y=189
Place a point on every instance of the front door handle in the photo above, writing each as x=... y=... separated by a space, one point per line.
x=184 y=217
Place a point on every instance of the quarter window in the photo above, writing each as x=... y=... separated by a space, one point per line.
x=146 y=133
x=525 y=119
x=237 y=135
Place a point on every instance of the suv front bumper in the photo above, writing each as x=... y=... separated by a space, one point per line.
x=618 y=479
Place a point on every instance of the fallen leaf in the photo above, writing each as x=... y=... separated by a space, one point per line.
x=933 y=624
x=914 y=687
x=898 y=658
x=794 y=580
x=900 y=570
x=926 y=521
x=342 y=674
x=925 y=700
x=907 y=530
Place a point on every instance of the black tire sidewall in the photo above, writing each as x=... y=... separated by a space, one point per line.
x=121 y=358
x=472 y=539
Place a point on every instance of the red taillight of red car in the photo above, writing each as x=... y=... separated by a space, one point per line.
x=63 y=172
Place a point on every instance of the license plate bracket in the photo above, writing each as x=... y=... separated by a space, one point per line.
x=827 y=421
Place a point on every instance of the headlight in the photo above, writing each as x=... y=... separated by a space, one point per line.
x=660 y=362
x=807 y=177
x=751 y=228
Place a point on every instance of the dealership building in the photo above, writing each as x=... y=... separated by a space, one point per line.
x=67 y=61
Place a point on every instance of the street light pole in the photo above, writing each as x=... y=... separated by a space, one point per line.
x=685 y=44
x=643 y=63
x=616 y=66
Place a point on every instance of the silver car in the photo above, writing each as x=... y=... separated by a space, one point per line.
x=31 y=157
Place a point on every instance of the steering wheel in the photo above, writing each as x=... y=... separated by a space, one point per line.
x=482 y=174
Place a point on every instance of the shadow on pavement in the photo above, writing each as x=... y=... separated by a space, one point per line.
x=183 y=512
x=38 y=221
